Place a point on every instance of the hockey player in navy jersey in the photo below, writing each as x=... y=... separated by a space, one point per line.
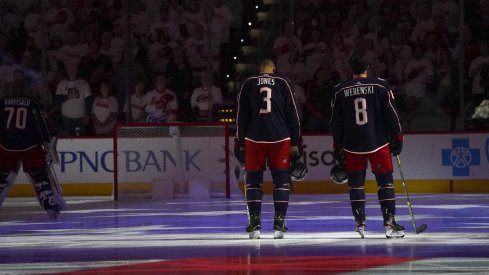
x=24 y=139
x=366 y=128
x=268 y=132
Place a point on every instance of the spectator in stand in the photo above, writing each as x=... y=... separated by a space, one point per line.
x=138 y=51
x=122 y=81
x=72 y=52
x=171 y=28
x=32 y=21
x=118 y=40
x=181 y=80
x=418 y=76
x=8 y=19
x=221 y=21
x=108 y=49
x=424 y=23
x=206 y=99
x=319 y=94
x=195 y=48
x=140 y=21
x=312 y=52
x=60 y=26
x=448 y=10
x=95 y=67
x=340 y=52
x=161 y=103
x=299 y=96
x=75 y=97
x=138 y=104
x=51 y=15
x=285 y=44
x=104 y=110
x=7 y=70
x=432 y=47
x=475 y=72
x=193 y=16
x=295 y=66
x=159 y=52
x=446 y=83
x=391 y=69
x=401 y=49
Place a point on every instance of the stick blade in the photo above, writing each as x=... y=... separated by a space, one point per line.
x=421 y=228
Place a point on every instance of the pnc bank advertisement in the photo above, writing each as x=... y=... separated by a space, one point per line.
x=424 y=157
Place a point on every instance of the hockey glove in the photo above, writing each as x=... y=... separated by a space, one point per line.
x=296 y=150
x=396 y=144
x=239 y=151
x=338 y=154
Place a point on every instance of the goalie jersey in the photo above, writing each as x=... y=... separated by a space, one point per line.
x=266 y=110
x=365 y=115
x=23 y=124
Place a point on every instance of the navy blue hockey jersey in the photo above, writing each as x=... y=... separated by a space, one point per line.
x=22 y=123
x=266 y=110
x=365 y=115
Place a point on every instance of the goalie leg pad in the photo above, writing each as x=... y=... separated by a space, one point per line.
x=7 y=178
x=356 y=184
x=254 y=192
x=47 y=197
x=281 y=191
x=386 y=193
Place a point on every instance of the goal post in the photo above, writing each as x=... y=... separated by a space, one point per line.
x=171 y=160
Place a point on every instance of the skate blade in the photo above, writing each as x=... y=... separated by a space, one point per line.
x=361 y=232
x=278 y=235
x=390 y=233
x=254 y=234
x=52 y=214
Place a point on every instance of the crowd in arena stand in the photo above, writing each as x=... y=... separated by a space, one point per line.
x=415 y=44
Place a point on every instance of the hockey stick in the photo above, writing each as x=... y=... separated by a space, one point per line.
x=422 y=227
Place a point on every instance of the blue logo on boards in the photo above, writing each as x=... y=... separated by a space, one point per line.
x=460 y=157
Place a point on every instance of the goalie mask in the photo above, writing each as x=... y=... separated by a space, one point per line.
x=298 y=170
x=338 y=174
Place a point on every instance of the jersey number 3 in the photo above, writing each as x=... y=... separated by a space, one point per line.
x=17 y=117
x=361 y=117
x=266 y=94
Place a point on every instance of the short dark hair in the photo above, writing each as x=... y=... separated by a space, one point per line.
x=358 y=63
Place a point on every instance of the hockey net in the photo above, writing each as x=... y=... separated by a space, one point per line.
x=171 y=160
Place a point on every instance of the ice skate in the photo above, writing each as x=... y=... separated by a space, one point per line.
x=392 y=228
x=360 y=221
x=360 y=228
x=254 y=226
x=279 y=227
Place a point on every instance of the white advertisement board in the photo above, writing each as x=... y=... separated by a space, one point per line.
x=425 y=156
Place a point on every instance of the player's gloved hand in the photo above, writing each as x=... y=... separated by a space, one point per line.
x=396 y=143
x=239 y=151
x=296 y=150
x=338 y=154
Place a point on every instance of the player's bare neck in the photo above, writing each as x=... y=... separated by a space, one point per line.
x=362 y=75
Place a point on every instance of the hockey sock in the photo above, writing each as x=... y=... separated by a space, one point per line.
x=254 y=192
x=356 y=182
x=281 y=191
x=386 y=194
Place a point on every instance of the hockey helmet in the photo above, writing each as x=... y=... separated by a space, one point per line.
x=338 y=174
x=298 y=170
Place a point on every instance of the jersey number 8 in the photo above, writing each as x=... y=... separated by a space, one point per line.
x=360 y=111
